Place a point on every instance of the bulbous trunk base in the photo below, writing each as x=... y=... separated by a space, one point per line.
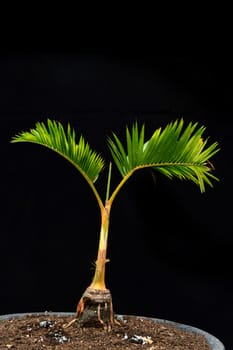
x=95 y=305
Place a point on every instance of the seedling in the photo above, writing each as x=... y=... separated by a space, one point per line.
x=175 y=151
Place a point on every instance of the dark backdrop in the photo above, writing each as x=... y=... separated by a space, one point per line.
x=170 y=246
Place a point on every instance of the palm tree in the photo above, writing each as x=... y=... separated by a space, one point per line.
x=175 y=151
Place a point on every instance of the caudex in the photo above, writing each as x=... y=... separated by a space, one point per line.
x=174 y=150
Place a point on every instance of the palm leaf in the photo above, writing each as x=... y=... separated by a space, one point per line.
x=62 y=141
x=174 y=151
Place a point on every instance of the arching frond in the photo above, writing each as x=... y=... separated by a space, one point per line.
x=173 y=151
x=62 y=141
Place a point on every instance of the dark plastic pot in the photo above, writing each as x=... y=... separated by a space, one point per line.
x=214 y=343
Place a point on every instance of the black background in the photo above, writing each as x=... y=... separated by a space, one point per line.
x=170 y=247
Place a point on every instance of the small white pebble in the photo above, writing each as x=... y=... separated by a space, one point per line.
x=142 y=340
x=63 y=339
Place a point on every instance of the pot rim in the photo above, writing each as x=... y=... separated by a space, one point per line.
x=214 y=342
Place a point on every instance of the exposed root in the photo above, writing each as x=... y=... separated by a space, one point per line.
x=66 y=325
x=95 y=304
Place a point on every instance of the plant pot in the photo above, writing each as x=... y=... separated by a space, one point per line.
x=212 y=341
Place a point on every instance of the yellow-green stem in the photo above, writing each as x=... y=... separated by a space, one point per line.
x=98 y=281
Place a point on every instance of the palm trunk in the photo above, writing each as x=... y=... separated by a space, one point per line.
x=97 y=295
x=98 y=281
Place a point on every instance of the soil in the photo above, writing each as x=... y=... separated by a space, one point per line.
x=46 y=331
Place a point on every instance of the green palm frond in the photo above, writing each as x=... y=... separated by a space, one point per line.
x=173 y=151
x=62 y=141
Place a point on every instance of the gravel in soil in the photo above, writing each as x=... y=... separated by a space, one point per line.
x=41 y=332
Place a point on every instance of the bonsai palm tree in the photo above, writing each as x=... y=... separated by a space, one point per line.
x=175 y=151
